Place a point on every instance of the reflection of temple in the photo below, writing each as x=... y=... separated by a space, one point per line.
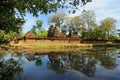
x=30 y=57
x=61 y=63
x=83 y=62
x=36 y=58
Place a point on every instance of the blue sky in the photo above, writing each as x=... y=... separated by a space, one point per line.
x=102 y=8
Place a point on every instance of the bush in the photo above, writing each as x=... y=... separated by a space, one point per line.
x=6 y=38
x=42 y=34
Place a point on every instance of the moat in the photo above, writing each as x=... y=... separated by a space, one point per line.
x=88 y=64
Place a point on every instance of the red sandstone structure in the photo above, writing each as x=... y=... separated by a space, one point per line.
x=54 y=36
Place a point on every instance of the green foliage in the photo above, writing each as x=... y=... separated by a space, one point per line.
x=42 y=33
x=13 y=11
x=87 y=27
x=108 y=27
x=37 y=27
x=6 y=38
x=33 y=29
x=57 y=19
x=39 y=24
x=72 y=24
x=10 y=68
x=21 y=34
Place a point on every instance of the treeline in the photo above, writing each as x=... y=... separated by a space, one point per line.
x=85 y=25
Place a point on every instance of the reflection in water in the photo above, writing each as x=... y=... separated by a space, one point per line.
x=17 y=65
x=81 y=61
x=10 y=69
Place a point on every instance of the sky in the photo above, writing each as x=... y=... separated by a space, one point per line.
x=102 y=9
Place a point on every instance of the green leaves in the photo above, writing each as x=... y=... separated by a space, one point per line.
x=108 y=27
x=42 y=33
x=6 y=38
x=13 y=11
x=37 y=27
x=39 y=24
x=57 y=19
x=9 y=8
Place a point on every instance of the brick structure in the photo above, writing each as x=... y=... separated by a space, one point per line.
x=53 y=32
x=30 y=34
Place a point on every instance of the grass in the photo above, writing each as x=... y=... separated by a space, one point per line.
x=62 y=45
x=50 y=45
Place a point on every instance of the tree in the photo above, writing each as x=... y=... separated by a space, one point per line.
x=6 y=37
x=108 y=27
x=33 y=29
x=73 y=25
x=88 y=18
x=42 y=33
x=57 y=19
x=10 y=68
x=13 y=11
x=96 y=33
x=39 y=24
x=37 y=27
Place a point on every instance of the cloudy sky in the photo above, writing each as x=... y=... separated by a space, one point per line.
x=102 y=9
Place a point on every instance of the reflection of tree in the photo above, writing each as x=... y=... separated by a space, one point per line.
x=9 y=69
x=38 y=61
x=83 y=61
x=33 y=57
x=2 y=54
x=107 y=60
x=55 y=64
x=79 y=62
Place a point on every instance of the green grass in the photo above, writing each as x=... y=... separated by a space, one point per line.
x=64 y=45
x=50 y=45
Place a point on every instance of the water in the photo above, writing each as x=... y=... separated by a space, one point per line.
x=91 y=64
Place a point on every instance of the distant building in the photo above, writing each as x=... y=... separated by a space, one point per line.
x=30 y=34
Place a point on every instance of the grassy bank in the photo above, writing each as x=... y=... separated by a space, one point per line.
x=62 y=46
x=51 y=46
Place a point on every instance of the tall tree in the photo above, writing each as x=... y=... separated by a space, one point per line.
x=37 y=27
x=33 y=29
x=108 y=26
x=39 y=24
x=57 y=19
x=73 y=24
x=88 y=17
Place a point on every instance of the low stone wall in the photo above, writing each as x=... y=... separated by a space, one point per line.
x=44 y=40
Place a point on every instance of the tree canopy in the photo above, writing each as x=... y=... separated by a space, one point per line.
x=37 y=27
x=57 y=19
x=13 y=11
x=108 y=26
x=86 y=26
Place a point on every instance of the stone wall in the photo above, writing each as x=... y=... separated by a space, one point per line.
x=54 y=41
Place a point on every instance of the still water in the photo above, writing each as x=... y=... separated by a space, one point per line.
x=90 y=64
